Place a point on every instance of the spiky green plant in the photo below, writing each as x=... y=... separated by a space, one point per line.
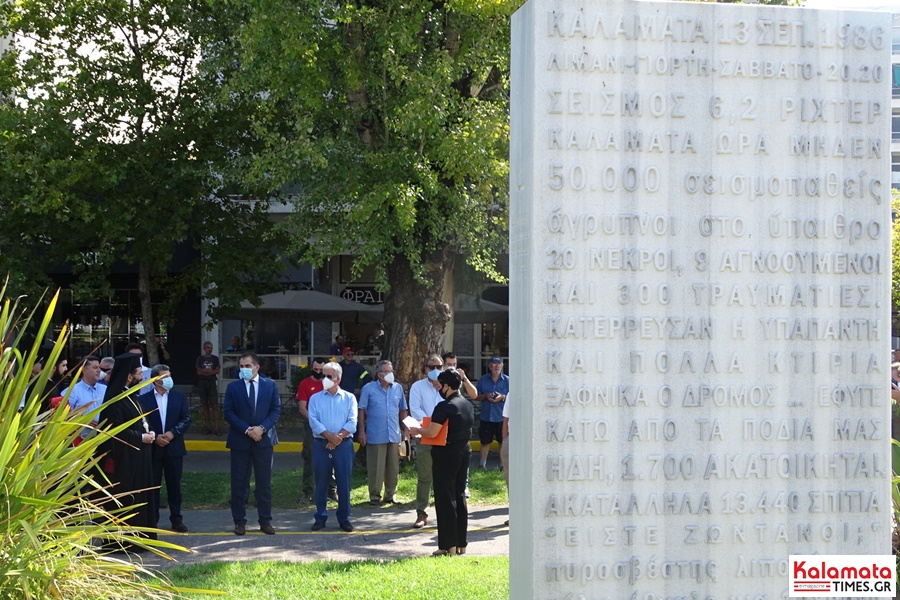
x=53 y=513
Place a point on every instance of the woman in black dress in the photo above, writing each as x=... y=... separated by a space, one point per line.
x=450 y=464
x=128 y=458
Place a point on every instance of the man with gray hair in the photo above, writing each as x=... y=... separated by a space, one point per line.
x=106 y=365
x=332 y=418
x=423 y=397
x=382 y=408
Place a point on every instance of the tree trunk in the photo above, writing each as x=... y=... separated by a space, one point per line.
x=415 y=315
x=152 y=357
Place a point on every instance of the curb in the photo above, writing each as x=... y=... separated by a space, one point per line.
x=219 y=446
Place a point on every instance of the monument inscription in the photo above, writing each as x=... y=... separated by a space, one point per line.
x=700 y=209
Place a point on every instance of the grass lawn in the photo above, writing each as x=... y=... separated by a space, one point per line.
x=212 y=490
x=460 y=578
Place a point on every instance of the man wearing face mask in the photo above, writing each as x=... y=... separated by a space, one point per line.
x=423 y=397
x=167 y=411
x=309 y=386
x=106 y=366
x=251 y=407
x=332 y=417
x=382 y=408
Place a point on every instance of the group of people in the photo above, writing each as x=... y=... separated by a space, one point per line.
x=338 y=401
x=146 y=427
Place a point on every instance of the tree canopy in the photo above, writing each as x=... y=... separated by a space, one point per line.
x=118 y=146
x=392 y=119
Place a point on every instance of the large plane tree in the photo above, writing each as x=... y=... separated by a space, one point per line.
x=392 y=119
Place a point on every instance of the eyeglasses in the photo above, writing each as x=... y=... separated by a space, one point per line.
x=435 y=366
x=105 y=370
x=330 y=376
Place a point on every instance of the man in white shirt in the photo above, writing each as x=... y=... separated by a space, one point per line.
x=423 y=397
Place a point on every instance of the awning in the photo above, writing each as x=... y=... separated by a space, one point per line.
x=308 y=305
x=469 y=309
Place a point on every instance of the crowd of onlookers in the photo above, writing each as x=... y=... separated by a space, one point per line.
x=339 y=402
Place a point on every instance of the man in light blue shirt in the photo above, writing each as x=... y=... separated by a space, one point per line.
x=332 y=418
x=382 y=408
x=88 y=391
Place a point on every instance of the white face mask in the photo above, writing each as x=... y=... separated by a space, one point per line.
x=327 y=384
x=102 y=376
x=389 y=378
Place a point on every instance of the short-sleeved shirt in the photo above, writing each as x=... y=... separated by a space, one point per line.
x=492 y=412
x=307 y=388
x=207 y=362
x=382 y=408
x=83 y=395
x=461 y=415
x=352 y=376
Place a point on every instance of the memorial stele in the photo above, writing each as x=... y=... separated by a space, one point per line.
x=700 y=298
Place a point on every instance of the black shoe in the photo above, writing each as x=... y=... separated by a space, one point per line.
x=179 y=527
x=239 y=529
x=267 y=528
x=318 y=525
x=346 y=526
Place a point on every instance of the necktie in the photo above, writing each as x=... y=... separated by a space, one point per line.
x=253 y=398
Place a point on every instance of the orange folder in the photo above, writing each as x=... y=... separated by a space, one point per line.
x=440 y=439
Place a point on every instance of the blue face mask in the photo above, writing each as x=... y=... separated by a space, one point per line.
x=246 y=374
x=168 y=383
x=433 y=374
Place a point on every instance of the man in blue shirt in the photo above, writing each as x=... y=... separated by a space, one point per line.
x=332 y=418
x=493 y=387
x=88 y=391
x=382 y=408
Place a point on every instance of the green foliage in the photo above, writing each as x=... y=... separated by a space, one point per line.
x=461 y=578
x=392 y=118
x=117 y=147
x=52 y=513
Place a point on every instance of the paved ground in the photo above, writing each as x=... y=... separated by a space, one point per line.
x=382 y=533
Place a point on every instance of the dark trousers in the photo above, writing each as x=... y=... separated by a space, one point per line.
x=325 y=462
x=449 y=467
x=309 y=481
x=172 y=467
x=260 y=460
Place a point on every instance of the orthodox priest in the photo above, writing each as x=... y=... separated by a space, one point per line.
x=128 y=457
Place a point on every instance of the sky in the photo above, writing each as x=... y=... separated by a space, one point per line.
x=857 y=4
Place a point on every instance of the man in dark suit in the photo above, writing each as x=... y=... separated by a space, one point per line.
x=251 y=407
x=169 y=414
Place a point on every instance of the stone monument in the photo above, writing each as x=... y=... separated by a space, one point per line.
x=700 y=296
